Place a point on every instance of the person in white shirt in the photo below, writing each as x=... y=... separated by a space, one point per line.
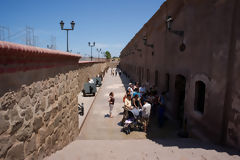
x=146 y=108
x=130 y=88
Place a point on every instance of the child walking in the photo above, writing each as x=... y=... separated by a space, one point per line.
x=111 y=103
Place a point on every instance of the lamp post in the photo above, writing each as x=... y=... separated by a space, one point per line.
x=62 y=25
x=91 y=45
x=99 y=50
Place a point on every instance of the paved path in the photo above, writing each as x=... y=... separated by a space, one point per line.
x=98 y=125
x=101 y=137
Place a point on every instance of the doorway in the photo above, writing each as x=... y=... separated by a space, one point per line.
x=180 y=84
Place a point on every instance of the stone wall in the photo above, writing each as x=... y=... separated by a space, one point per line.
x=208 y=27
x=38 y=106
x=232 y=117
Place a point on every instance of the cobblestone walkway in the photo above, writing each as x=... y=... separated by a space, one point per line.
x=101 y=137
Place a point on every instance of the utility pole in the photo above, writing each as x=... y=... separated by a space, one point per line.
x=29 y=36
x=3 y=36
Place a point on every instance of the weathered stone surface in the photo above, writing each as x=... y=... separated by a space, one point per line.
x=47 y=115
x=61 y=89
x=63 y=101
x=50 y=128
x=57 y=120
x=45 y=93
x=28 y=114
x=51 y=82
x=41 y=136
x=4 y=124
x=13 y=114
x=54 y=111
x=40 y=106
x=24 y=133
x=25 y=102
x=49 y=143
x=8 y=101
x=51 y=98
x=16 y=125
x=24 y=91
x=30 y=146
x=32 y=156
x=37 y=87
x=37 y=123
x=41 y=152
x=16 y=152
x=5 y=143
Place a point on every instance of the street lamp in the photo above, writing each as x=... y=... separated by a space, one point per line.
x=146 y=43
x=62 y=28
x=91 y=45
x=99 y=50
x=169 y=22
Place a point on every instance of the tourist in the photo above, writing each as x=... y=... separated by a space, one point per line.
x=127 y=107
x=125 y=96
x=146 y=108
x=116 y=72
x=142 y=89
x=161 y=110
x=130 y=89
x=136 y=86
x=136 y=91
x=136 y=102
x=111 y=103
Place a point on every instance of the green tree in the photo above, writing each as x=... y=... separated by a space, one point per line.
x=108 y=55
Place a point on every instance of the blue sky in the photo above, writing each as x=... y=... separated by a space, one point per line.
x=110 y=23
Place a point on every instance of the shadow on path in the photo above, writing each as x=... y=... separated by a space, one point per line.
x=167 y=135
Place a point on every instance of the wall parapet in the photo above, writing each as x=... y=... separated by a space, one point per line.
x=17 y=57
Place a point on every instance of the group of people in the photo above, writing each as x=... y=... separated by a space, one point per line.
x=115 y=72
x=147 y=102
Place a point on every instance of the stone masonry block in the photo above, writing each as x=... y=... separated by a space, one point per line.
x=37 y=123
x=16 y=152
x=25 y=102
x=16 y=125
x=7 y=101
x=30 y=145
x=5 y=143
x=4 y=124
x=25 y=132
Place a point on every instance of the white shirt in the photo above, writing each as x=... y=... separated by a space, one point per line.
x=91 y=81
x=146 y=108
